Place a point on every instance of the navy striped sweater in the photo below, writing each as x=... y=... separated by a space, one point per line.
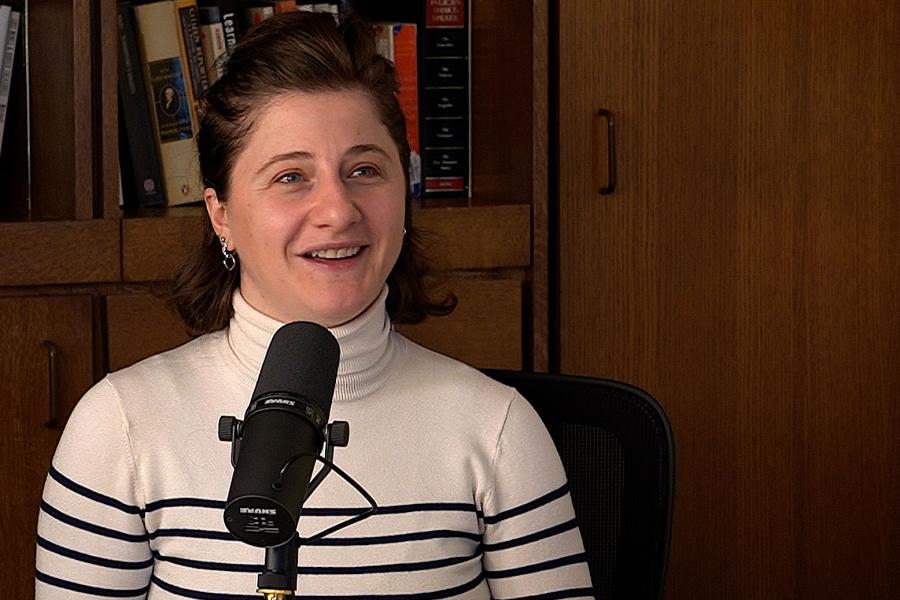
x=473 y=501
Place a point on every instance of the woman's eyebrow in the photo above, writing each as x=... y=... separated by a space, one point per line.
x=363 y=148
x=295 y=155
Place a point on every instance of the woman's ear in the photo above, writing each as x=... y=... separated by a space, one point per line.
x=218 y=215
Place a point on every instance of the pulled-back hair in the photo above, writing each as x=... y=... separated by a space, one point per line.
x=292 y=52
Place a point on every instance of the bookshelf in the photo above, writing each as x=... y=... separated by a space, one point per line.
x=70 y=249
x=73 y=206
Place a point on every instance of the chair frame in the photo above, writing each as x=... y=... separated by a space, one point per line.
x=614 y=406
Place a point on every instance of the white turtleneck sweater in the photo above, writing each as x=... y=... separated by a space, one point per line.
x=473 y=501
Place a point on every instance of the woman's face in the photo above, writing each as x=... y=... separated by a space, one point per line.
x=315 y=209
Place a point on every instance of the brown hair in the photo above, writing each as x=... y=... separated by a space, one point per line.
x=294 y=52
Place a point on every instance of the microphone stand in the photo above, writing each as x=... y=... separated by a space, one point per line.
x=279 y=577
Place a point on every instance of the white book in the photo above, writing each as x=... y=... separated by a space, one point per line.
x=9 y=52
x=5 y=11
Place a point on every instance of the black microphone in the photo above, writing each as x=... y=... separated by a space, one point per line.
x=282 y=434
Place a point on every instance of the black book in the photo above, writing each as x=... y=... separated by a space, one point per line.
x=141 y=174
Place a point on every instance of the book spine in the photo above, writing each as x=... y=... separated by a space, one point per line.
x=212 y=34
x=228 y=12
x=9 y=52
x=283 y=6
x=192 y=49
x=446 y=102
x=404 y=47
x=138 y=152
x=5 y=12
x=169 y=98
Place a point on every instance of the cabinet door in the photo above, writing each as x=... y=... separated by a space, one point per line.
x=745 y=272
x=46 y=357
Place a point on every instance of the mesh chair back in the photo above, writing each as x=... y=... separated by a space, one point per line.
x=617 y=447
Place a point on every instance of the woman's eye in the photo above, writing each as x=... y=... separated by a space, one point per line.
x=290 y=178
x=364 y=171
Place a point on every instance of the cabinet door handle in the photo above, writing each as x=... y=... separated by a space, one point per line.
x=53 y=391
x=610 y=186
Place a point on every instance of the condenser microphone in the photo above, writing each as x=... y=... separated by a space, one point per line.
x=283 y=431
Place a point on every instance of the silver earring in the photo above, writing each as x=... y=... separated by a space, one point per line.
x=228 y=258
x=404 y=232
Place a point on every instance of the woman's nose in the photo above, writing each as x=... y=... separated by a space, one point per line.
x=335 y=205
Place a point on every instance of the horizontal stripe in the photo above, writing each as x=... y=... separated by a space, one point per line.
x=205 y=534
x=90 y=527
x=569 y=593
x=391 y=510
x=438 y=595
x=185 y=593
x=322 y=512
x=94 y=560
x=533 y=537
x=93 y=495
x=528 y=506
x=397 y=538
x=305 y=570
x=87 y=589
x=185 y=503
x=202 y=534
x=547 y=565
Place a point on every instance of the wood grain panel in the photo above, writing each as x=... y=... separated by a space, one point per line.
x=501 y=102
x=26 y=443
x=61 y=110
x=138 y=326
x=60 y=252
x=456 y=238
x=485 y=330
x=153 y=248
x=486 y=237
x=742 y=274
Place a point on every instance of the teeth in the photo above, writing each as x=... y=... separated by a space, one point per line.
x=333 y=253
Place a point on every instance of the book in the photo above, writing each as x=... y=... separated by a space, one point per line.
x=228 y=14
x=139 y=164
x=446 y=152
x=283 y=6
x=254 y=13
x=212 y=35
x=167 y=80
x=5 y=11
x=398 y=43
x=10 y=40
x=192 y=49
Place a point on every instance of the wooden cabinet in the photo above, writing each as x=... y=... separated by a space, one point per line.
x=745 y=272
x=46 y=364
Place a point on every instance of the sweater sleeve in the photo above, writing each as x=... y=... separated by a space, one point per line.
x=532 y=545
x=91 y=539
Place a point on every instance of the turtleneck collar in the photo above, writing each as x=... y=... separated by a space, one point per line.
x=365 y=346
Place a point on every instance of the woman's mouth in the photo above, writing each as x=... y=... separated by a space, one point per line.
x=334 y=253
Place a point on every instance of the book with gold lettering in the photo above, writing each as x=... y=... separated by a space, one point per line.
x=167 y=78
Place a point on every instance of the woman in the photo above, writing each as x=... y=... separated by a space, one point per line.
x=303 y=151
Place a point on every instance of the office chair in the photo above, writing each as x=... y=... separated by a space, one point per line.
x=617 y=447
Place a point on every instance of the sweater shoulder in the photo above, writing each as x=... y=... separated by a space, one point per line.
x=441 y=374
x=188 y=359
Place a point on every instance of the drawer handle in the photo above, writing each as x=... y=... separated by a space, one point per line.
x=610 y=186
x=53 y=392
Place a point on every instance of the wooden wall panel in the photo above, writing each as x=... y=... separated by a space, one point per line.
x=143 y=317
x=485 y=330
x=60 y=252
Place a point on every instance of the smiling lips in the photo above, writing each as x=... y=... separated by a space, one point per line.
x=334 y=253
